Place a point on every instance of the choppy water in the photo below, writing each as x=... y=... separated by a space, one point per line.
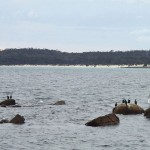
x=88 y=93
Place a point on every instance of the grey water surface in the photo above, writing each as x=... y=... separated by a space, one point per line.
x=89 y=92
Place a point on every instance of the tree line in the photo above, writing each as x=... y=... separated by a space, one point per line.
x=33 y=56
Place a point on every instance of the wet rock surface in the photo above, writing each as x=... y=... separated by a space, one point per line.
x=110 y=119
x=18 y=119
x=7 y=102
x=128 y=109
x=147 y=113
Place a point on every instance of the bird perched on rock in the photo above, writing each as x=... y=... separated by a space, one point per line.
x=115 y=104
x=125 y=102
x=135 y=102
x=128 y=100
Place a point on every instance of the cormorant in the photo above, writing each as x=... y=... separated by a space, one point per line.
x=7 y=97
x=135 y=102
x=128 y=100
x=125 y=102
x=115 y=104
x=10 y=97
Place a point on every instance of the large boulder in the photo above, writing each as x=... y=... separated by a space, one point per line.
x=17 y=119
x=60 y=103
x=147 y=113
x=8 y=102
x=110 y=119
x=128 y=109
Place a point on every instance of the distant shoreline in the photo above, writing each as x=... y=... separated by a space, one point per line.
x=136 y=67
x=79 y=66
x=118 y=59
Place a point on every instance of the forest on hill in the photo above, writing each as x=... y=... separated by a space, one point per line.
x=32 y=56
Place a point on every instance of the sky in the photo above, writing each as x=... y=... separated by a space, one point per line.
x=75 y=25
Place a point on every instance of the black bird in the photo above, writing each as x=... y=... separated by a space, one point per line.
x=7 y=97
x=128 y=100
x=135 y=102
x=10 y=97
x=115 y=104
x=125 y=102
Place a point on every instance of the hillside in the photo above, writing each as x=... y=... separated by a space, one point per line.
x=53 y=57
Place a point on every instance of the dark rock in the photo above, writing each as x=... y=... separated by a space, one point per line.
x=8 y=102
x=18 y=119
x=110 y=119
x=3 y=105
x=4 y=121
x=127 y=109
x=147 y=113
x=60 y=103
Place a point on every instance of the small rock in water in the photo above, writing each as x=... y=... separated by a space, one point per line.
x=4 y=121
x=8 y=102
x=17 y=119
x=60 y=103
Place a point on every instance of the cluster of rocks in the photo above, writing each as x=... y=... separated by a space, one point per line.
x=18 y=119
x=125 y=108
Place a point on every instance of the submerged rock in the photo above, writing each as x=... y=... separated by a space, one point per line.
x=7 y=102
x=17 y=119
x=60 y=103
x=17 y=105
x=128 y=109
x=147 y=113
x=110 y=119
x=4 y=121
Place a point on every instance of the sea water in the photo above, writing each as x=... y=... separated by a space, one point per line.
x=89 y=92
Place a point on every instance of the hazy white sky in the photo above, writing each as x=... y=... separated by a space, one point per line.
x=75 y=25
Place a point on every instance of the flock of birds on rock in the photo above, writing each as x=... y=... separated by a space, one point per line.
x=126 y=102
x=9 y=97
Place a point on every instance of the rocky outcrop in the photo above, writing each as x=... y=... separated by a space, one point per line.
x=110 y=119
x=60 y=103
x=17 y=119
x=147 y=113
x=7 y=102
x=128 y=109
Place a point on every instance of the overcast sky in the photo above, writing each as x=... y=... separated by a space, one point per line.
x=75 y=25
